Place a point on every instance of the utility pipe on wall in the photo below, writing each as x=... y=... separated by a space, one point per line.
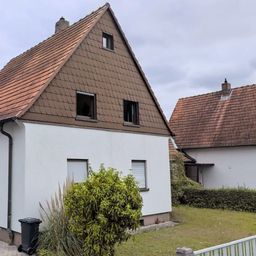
x=9 y=207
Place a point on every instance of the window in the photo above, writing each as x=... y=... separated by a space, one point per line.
x=77 y=170
x=131 y=112
x=139 y=172
x=86 y=105
x=108 y=41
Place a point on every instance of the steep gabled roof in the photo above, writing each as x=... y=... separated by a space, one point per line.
x=206 y=120
x=25 y=77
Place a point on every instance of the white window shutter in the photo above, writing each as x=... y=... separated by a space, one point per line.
x=77 y=170
x=139 y=172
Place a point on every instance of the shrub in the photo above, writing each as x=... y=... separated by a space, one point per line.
x=238 y=199
x=56 y=238
x=179 y=180
x=102 y=209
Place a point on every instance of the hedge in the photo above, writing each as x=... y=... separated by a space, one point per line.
x=240 y=199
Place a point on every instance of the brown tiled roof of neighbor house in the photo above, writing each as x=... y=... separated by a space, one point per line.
x=210 y=120
x=24 y=79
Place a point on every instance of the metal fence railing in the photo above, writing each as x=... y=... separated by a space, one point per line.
x=242 y=247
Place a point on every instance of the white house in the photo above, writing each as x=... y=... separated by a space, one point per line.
x=79 y=98
x=218 y=130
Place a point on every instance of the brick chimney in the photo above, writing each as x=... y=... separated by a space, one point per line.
x=61 y=25
x=226 y=88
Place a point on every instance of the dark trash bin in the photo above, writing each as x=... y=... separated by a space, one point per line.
x=29 y=235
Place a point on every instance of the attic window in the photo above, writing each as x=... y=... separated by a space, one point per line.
x=86 y=105
x=108 y=41
x=131 y=112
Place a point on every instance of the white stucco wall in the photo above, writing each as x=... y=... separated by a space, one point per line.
x=48 y=147
x=233 y=166
x=18 y=133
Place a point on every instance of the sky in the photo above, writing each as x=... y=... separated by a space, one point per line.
x=185 y=47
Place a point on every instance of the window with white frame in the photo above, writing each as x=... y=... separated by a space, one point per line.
x=86 y=105
x=77 y=170
x=108 y=41
x=139 y=172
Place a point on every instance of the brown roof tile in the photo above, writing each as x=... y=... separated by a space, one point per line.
x=24 y=78
x=207 y=121
x=40 y=84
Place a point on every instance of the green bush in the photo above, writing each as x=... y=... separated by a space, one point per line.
x=179 y=180
x=102 y=209
x=238 y=199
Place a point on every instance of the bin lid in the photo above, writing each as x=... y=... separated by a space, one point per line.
x=30 y=220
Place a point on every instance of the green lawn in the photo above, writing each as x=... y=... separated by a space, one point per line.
x=198 y=228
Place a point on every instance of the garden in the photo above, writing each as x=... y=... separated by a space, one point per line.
x=93 y=218
x=196 y=229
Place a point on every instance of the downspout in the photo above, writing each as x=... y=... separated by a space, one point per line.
x=9 y=207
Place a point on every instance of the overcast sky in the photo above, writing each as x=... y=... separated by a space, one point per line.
x=185 y=47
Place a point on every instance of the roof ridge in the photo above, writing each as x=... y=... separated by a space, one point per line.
x=202 y=94
x=209 y=93
x=87 y=16
x=243 y=86
x=12 y=61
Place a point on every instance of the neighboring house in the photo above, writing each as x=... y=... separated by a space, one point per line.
x=79 y=98
x=191 y=166
x=218 y=130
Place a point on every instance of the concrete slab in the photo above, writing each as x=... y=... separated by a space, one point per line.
x=6 y=250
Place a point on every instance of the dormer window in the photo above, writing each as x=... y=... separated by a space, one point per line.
x=131 y=112
x=108 y=41
x=86 y=105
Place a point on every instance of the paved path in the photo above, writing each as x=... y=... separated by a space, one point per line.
x=6 y=250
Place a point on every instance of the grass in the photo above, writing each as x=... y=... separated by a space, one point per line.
x=198 y=228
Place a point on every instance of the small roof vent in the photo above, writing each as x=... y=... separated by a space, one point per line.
x=61 y=25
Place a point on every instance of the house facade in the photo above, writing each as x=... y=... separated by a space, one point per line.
x=218 y=131
x=79 y=99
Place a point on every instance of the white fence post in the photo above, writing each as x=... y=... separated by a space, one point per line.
x=184 y=252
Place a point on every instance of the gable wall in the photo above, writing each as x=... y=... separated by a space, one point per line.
x=112 y=76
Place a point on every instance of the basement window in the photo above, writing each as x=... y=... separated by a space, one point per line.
x=131 y=112
x=86 y=105
x=108 y=41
